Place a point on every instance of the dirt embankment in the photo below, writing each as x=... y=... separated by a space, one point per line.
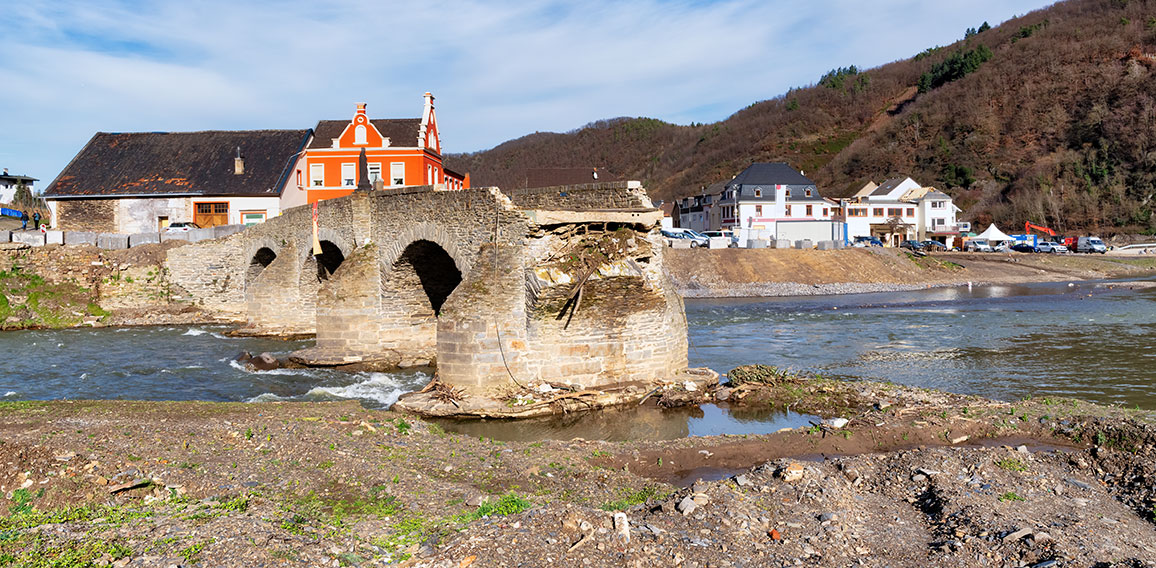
x=64 y=286
x=912 y=478
x=778 y=272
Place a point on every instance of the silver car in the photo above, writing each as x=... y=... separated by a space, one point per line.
x=1049 y=246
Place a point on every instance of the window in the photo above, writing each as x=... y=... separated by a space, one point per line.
x=937 y=205
x=359 y=135
x=758 y=192
x=808 y=193
x=349 y=175
x=298 y=177
x=857 y=212
x=827 y=212
x=938 y=222
x=877 y=212
x=374 y=172
x=316 y=175
x=787 y=210
x=809 y=211
x=397 y=173
x=252 y=217
x=910 y=212
x=894 y=211
x=759 y=210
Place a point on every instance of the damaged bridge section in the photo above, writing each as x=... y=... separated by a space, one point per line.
x=558 y=285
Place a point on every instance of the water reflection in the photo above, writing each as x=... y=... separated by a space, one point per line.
x=638 y=423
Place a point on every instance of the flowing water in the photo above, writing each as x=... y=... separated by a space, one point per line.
x=1089 y=340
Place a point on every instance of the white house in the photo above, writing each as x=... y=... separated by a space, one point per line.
x=774 y=201
x=9 y=183
x=900 y=209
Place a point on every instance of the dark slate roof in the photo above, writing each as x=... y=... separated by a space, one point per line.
x=198 y=163
x=888 y=186
x=17 y=179
x=772 y=173
x=402 y=132
x=553 y=177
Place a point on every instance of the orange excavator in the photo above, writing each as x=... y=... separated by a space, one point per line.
x=1028 y=226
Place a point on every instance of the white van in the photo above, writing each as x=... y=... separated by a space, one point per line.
x=1090 y=244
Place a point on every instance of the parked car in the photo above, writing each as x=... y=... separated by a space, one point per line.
x=867 y=242
x=977 y=245
x=910 y=244
x=728 y=234
x=1090 y=244
x=696 y=239
x=181 y=227
x=1024 y=247
x=932 y=246
x=1049 y=246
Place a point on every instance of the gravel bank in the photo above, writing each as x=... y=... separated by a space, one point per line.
x=913 y=478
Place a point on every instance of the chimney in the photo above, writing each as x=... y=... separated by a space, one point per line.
x=238 y=163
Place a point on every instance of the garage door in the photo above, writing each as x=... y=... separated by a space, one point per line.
x=211 y=214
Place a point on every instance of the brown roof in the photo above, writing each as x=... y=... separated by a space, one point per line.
x=401 y=132
x=551 y=177
x=196 y=163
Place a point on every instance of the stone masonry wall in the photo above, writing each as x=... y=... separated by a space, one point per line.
x=482 y=327
x=97 y=215
x=606 y=195
x=212 y=274
x=266 y=296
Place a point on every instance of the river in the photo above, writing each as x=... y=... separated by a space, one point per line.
x=1089 y=340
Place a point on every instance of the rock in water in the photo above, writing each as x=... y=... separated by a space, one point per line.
x=264 y=362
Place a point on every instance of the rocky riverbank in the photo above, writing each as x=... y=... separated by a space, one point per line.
x=905 y=477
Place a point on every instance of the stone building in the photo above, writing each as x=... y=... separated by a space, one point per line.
x=141 y=182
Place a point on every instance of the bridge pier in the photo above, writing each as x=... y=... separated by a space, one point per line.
x=266 y=294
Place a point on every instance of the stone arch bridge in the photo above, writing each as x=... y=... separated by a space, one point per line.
x=560 y=284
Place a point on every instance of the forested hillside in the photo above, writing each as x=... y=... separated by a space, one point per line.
x=1050 y=117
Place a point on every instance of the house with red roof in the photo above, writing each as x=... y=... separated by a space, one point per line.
x=400 y=152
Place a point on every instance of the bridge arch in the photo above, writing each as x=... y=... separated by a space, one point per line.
x=259 y=254
x=425 y=231
x=335 y=248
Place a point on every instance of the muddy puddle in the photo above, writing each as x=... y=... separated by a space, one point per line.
x=644 y=423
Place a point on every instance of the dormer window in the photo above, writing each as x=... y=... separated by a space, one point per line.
x=808 y=193
x=758 y=192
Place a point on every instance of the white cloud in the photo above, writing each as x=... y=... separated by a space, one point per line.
x=500 y=69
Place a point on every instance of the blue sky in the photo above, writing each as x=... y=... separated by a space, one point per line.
x=499 y=69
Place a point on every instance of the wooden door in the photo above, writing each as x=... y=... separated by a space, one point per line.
x=211 y=214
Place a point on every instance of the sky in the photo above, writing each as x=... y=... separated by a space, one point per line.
x=499 y=69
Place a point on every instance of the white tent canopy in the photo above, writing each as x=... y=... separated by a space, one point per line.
x=993 y=234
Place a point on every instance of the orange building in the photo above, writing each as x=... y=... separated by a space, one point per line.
x=400 y=152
